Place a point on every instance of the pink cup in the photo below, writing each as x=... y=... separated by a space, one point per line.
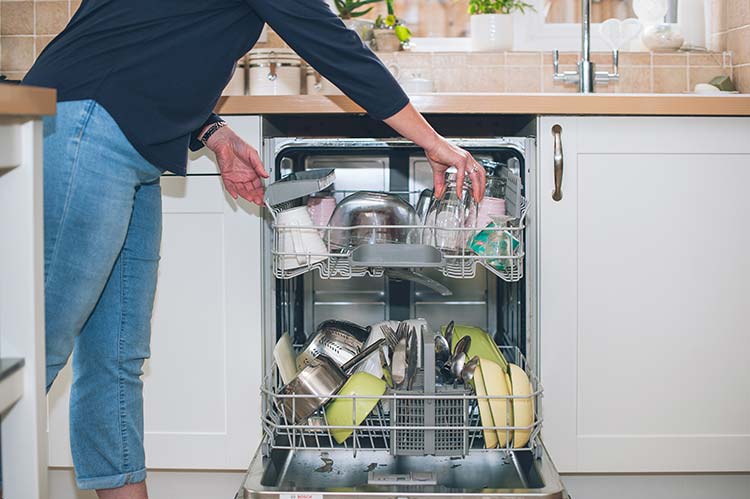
x=321 y=208
x=488 y=208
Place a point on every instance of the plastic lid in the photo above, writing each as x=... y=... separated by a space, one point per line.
x=299 y=184
x=273 y=55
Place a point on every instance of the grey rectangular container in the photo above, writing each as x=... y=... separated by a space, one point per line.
x=449 y=411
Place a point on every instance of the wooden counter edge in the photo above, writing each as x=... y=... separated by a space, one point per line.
x=25 y=101
x=534 y=104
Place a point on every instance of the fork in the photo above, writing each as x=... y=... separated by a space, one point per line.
x=390 y=335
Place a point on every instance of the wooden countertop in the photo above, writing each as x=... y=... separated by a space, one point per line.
x=537 y=104
x=16 y=100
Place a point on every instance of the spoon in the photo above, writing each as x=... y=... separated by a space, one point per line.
x=461 y=348
x=449 y=333
x=457 y=366
x=442 y=350
x=467 y=373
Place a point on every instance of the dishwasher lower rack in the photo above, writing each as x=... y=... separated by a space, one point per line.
x=499 y=249
x=400 y=424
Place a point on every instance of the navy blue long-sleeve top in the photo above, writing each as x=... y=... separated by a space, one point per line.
x=159 y=66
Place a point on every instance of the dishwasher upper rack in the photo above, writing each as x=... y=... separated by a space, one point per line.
x=372 y=260
x=378 y=429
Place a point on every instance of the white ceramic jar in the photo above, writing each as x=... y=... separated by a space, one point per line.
x=274 y=72
x=318 y=85
x=491 y=32
x=238 y=83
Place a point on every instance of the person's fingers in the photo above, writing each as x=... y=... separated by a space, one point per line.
x=243 y=191
x=257 y=164
x=256 y=192
x=258 y=196
x=438 y=180
x=478 y=180
x=483 y=177
x=257 y=183
x=460 y=177
x=231 y=188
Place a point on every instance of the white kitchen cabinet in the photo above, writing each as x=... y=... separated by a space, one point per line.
x=644 y=288
x=22 y=415
x=202 y=383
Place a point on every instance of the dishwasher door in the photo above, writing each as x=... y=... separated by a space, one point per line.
x=301 y=460
x=310 y=474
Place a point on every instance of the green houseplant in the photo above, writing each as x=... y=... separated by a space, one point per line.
x=350 y=11
x=492 y=23
x=390 y=32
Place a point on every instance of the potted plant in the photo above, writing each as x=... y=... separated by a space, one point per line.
x=350 y=11
x=492 y=23
x=390 y=32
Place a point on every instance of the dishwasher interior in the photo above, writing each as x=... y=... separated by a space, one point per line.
x=429 y=443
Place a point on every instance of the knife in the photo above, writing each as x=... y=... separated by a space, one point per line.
x=411 y=358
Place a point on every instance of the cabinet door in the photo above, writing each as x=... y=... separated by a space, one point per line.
x=644 y=286
x=202 y=383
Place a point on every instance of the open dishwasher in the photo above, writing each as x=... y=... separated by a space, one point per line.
x=432 y=441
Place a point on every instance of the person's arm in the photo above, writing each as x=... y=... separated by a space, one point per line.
x=318 y=36
x=440 y=153
x=240 y=165
x=195 y=143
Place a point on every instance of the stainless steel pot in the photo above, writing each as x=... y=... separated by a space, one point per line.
x=316 y=382
x=340 y=341
x=368 y=212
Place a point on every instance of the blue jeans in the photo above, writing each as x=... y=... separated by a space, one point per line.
x=102 y=232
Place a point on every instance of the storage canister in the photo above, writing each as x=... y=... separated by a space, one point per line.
x=319 y=85
x=238 y=83
x=274 y=72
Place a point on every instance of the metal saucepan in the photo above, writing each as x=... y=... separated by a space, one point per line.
x=317 y=381
x=338 y=340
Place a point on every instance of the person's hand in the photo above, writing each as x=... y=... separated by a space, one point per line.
x=239 y=163
x=442 y=155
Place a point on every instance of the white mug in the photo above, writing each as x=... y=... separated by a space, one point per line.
x=299 y=246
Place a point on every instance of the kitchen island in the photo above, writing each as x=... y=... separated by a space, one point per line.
x=25 y=102
x=22 y=397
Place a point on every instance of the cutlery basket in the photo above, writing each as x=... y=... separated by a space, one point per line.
x=436 y=420
x=436 y=416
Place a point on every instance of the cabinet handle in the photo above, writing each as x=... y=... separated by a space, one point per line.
x=558 y=162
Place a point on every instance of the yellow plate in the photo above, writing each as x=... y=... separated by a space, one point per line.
x=497 y=384
x=523 y=408
x=482 y=344
x=339 y=411
x=490 y=436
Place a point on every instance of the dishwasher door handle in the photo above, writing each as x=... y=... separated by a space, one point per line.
x=558 y=162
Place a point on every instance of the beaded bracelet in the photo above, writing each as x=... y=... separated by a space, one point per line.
x=211 y=130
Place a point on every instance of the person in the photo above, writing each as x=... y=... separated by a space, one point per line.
x=137 y=81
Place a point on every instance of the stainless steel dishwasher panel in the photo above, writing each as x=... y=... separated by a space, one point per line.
x=320 y=475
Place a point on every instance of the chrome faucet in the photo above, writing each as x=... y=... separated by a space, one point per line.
x=586 y=75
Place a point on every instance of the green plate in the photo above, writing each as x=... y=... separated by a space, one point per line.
x=482 y=344
x=351 y=412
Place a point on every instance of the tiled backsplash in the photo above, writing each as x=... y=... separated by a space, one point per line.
x=27 y=26
x=731 y=31
x=641 y=72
